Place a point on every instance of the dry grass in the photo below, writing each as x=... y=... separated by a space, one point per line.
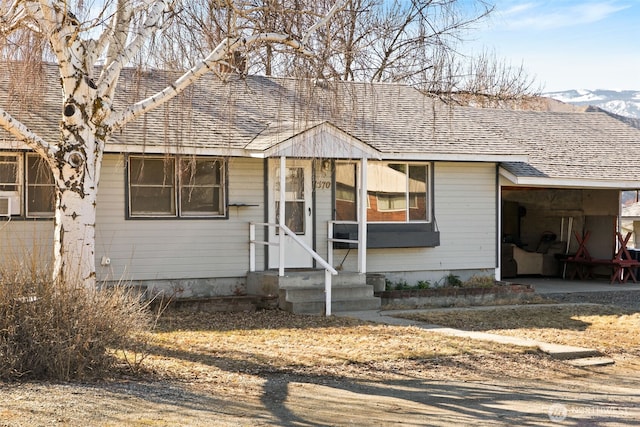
x=605 y=328
x=212 y=345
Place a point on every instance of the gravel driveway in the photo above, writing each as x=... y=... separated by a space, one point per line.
x=629 y=300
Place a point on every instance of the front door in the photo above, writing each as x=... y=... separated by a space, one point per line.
x=298 y=211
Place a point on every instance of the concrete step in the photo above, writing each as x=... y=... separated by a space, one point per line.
x=587 y=362
x=337 y=292
x=268 y=282
x=565 y=352
x=316 y=279
x=304 y=291
x=318 y=306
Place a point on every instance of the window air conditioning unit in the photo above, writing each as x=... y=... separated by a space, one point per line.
x=5 y=206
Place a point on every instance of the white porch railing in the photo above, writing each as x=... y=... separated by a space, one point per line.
x=328 y=269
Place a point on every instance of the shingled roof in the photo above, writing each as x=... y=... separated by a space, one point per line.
x=241 y=116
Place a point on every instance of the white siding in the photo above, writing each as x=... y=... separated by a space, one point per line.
x=25 y=243
x=152 y=249
x=465 y=212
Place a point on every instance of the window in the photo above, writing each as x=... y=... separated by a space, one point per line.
x=9 y=184
x=152 y=186
x=346 y=196
x=40 y=188
x=397 y=192
x=9 y=167
x=294 y=206
x=176 y=186
x=32 y=192
x=201 y=187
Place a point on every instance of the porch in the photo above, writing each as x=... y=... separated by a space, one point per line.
x=305 y=217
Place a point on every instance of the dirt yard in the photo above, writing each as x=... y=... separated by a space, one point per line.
x=273 y=368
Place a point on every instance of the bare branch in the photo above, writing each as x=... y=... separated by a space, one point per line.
x=24 y=134
x=336 y=7
x=112 y=72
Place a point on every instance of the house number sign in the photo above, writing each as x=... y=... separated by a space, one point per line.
x=323 y=185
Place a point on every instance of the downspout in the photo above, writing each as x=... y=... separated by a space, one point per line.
x=314 y=240
x=267 y=202
x=498 y=271
x=281 y=210
x=362 y=219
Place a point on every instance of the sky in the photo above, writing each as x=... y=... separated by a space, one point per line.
x=567 y=44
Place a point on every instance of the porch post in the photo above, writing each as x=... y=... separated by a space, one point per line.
x=362 y=219
x=281 y=213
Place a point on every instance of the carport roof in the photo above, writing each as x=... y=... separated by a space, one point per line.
x=570 y=149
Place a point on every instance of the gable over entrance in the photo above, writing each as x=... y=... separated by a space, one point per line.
x=310 y=140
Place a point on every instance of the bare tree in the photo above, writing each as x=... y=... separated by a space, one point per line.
x=92 y=43
x=413 y=42
x=481 y=81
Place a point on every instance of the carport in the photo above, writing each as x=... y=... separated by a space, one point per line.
x=540 y=227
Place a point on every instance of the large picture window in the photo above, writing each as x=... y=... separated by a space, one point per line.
x=397 y=192
x=173 y=186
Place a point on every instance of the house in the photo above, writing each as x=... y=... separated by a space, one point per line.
x=448 y=189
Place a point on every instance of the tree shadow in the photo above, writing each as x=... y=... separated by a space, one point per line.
x=341 y=400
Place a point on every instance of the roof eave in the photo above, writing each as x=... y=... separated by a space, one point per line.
x=527 y=181
x=175 y=149
x=456 y=157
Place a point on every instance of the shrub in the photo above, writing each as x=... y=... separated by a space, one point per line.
x=62 y=332
x=402 y=285
x=480 y=282
x=423 y=284
x=453 y=281
x=388 y=285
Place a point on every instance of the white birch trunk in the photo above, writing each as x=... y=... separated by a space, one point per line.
x=76 y=171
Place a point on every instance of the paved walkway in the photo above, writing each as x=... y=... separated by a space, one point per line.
x=554 y=350
x=578 y=355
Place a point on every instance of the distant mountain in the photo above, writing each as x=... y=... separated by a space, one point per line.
x=624 y=103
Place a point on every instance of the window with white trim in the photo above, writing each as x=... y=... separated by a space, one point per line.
x=397 y=191
x=176 y=186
